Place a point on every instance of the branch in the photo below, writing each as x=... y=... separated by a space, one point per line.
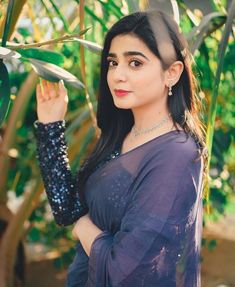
x=49 y=42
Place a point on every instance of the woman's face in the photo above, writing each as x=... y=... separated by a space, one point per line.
x=134 y=68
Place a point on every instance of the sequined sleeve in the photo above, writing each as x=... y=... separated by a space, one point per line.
x=59 y=182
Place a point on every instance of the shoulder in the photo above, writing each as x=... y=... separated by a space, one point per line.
x=182 y=144
x=177 y=150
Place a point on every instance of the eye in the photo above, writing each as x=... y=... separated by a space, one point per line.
x=111 y=63
x=136 y=63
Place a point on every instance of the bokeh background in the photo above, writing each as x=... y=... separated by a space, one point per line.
x=33 y=250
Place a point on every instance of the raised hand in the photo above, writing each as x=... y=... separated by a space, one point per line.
x=52 y=101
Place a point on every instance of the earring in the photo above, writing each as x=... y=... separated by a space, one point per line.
x=170 y=91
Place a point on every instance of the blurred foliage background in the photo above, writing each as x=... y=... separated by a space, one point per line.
x=25 y=216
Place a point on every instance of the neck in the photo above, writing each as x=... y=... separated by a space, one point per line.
x=147 y=116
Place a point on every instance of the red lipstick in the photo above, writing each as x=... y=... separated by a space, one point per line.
x=120 y=93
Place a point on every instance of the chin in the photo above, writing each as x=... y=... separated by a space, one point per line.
x=124 y=106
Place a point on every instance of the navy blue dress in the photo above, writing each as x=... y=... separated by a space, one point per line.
x=148 y=203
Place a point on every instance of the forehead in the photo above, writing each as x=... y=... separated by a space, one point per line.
x=122 y=43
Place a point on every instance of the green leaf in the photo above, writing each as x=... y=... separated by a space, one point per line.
x=212 y=244
x=94 y=47
x=43 y=55
x=7 y=54
x=50 y=14
x=60 y=15
x=4 y=92
x=8 y=22
x=221 y=54
x=209 y=24
x=133 y=5
x=95 y=17
x=10 y=44
x=193 y=19
x=111 y=8
x=24 y=31
x=34 y=234
x=176 y=12
x=82 y=32
x=54 y=73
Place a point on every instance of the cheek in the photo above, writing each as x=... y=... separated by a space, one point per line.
x=109 y=80
x=149 y=86
x=109 y=75
x=149 y=80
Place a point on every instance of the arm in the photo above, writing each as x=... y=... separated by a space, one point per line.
x=60 y=184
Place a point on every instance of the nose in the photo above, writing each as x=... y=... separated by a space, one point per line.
x=119 y=73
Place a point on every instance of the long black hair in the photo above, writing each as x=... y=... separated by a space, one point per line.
x=184 y=105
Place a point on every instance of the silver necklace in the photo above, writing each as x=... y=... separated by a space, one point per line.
x=136 y=132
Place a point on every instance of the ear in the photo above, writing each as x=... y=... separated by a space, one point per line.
x=173 y=73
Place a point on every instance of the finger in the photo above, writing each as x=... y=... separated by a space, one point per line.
x=62 y=88
x=41 y=86
x=51 y=90
x=63 y=91
x=39 y=93
x=46 y=94
x=57 y=89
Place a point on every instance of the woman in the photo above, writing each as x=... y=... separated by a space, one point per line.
x=137 y=199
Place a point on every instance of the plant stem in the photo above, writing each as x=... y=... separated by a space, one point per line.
x=49 y=42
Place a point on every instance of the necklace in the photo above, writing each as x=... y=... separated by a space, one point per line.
x=136 y=132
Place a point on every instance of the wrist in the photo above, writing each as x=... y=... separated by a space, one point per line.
x=52 y=127
x=44 y=123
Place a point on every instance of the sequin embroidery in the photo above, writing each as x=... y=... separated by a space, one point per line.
x=59 y=182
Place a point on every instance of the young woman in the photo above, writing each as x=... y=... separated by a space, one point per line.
x=136 y=202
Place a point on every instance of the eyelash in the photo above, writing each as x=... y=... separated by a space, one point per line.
x=139 y=63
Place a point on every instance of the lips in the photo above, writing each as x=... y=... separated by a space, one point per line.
x=121 y=93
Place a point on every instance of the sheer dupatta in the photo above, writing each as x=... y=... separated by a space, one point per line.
x=157 y=242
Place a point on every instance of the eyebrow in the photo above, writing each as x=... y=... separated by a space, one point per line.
x=129 y=53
